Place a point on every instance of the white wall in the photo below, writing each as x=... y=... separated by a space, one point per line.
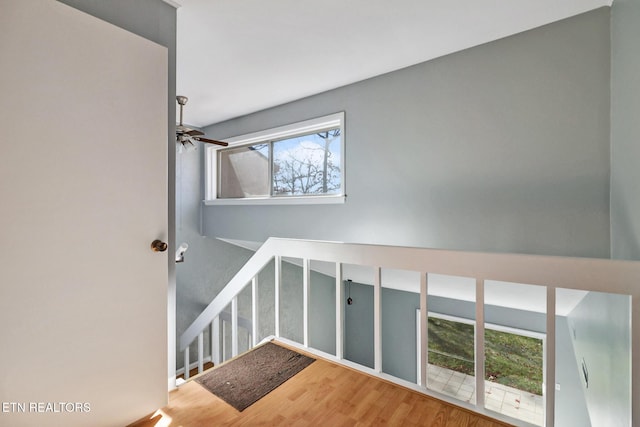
x=600 y=327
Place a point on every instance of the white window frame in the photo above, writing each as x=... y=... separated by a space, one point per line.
x=331 y=121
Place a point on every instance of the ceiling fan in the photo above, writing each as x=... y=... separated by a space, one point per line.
x=187 y=137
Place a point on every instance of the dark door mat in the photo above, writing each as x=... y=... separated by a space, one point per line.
x=246 y=379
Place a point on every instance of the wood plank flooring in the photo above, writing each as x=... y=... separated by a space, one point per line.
x=323 y=394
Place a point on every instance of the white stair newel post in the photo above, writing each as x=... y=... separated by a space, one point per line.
x=186 y=363
x=278 y=279
x=377 y=320
x=306 y=283
x=254 y=311
x=339 y=312
x=234 y=326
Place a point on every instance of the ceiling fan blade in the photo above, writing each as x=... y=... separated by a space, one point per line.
x=194 y=132
x=211 y=141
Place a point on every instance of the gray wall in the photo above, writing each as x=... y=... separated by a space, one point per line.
x=502 y=147
x=601 y=330
x=625 y=129
x=398 y=330
x=322 y=312
x=152 y=19
x=358 y=324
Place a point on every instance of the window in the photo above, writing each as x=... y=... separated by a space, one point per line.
x=298 y=163
x=514 y=365
x=513 y=357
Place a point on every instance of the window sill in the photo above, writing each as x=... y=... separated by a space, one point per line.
x=315 y=200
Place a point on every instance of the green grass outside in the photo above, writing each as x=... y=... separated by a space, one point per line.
x=511 y=360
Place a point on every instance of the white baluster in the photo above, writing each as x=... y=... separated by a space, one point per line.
x=377 y=320
x=424 y=330
x=234 y=326
x=550 y=359
x=306 y=283
x=254 y=312
x=200 y=352
x=278 y=279
x=339 y=312
x=215 y=341
x=224 y=340
x=186 y=363
x=479 y=338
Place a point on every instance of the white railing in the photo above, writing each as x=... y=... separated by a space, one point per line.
x=587 y=274
x=217 y=329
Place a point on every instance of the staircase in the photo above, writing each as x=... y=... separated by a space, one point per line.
x=550 y=273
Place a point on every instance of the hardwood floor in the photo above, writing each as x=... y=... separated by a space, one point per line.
x=323 y=394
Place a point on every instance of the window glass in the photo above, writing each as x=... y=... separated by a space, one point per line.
x=308 y=164
x=297 y=163
x=244 y=172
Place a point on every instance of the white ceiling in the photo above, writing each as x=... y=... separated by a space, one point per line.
x=240 y=56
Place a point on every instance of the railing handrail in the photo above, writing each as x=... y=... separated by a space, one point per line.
x=558 y=272
x=554 y=271
x=256 y=263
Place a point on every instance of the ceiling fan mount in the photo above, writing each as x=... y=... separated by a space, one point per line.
x=182 y=100
x=186 y=136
